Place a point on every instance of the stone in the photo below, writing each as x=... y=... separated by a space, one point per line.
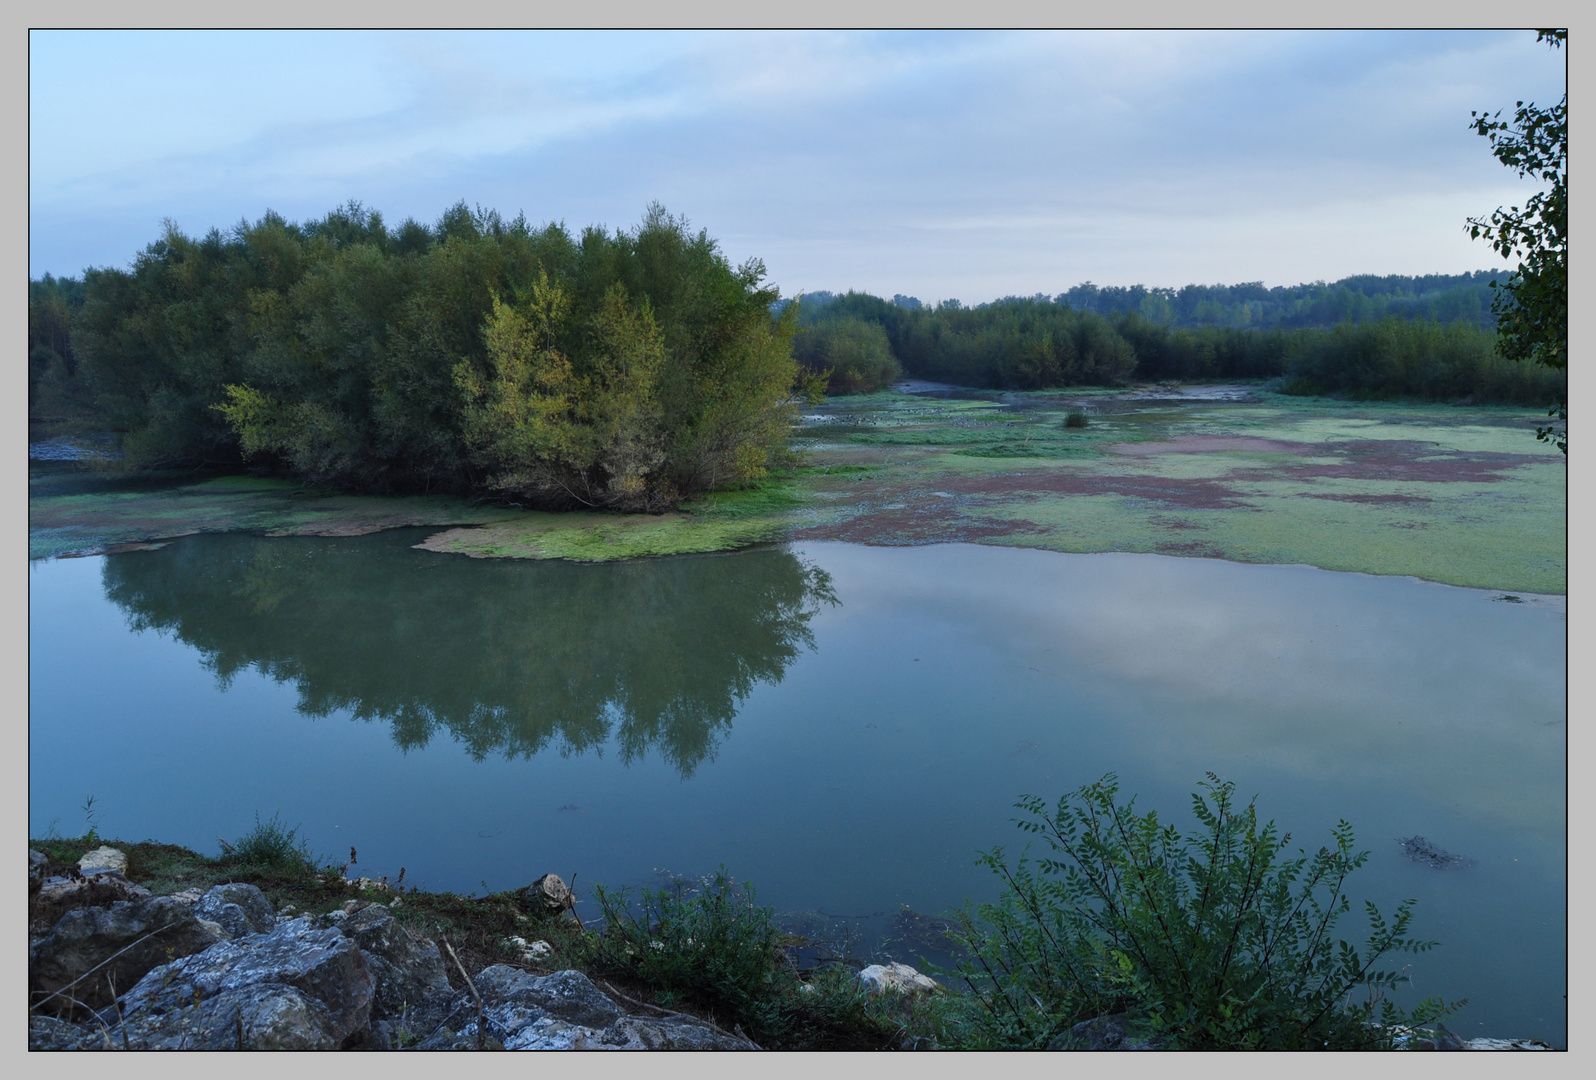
x=38 y=861
x=323 y=965
x=407 y=969
x=95 y=890
x=50 y=1033
x=239 y=909
x=145 y=933
x=188 y=896
x=264 y=1016
x=548 y=895
x=562 y=1011
x=1506 y=1044
x=1439 y=1039
x=102 y=859
x=536 y=952
x=1100 y=1033
x=896 y=979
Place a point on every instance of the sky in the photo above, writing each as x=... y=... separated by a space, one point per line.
x=937 y=164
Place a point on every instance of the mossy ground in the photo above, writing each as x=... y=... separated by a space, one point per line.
x=1459 y=495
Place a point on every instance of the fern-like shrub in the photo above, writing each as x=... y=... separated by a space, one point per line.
x=1213 y=939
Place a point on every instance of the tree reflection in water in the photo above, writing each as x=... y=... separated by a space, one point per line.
x=508 y=656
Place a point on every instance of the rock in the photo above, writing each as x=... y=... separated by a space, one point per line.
x=529 y=952
x=264 y=1016
x=562 y=1011
x=1100 y=1033
x=102 y=859
x=1506 y=1044
x=37 y=862
x=145 y=933
x=96 y=890
x=239 y=909
x=896 y=979
x=188 y=896
x=326 y=968
x=50 y=1033
x=1439 y=1039
x=548 y=895
x=408 y=970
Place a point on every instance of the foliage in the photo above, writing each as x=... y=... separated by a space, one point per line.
x=1208 y=940
x=1402 y=358
x=269 y=846
x=1532 y=306
x=854 y=353
x=1075 y=418
x=479 y=356
x=710 y=946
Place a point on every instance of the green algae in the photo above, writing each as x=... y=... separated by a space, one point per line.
x=1461 y=495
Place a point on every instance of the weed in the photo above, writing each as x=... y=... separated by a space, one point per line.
x=1075 y=418
x=270 y=846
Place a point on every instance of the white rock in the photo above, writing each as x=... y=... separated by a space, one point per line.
x=102 y=859
x=538 y=950
x=896 y=978
x=1506 y=1044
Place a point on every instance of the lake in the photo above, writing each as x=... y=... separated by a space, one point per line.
x=845 y=726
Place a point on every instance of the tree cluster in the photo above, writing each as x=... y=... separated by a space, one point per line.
x=623 y=369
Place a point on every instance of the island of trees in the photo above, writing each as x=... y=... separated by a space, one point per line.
x=634 y=368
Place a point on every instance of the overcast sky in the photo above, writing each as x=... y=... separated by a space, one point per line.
x=942 y=165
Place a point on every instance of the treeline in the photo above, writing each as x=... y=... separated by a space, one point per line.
x=623 y=369
x=1444 y=298
x=1037 y=343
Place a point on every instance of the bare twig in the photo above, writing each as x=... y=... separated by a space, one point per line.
x=482 y=1013
x=62 y=992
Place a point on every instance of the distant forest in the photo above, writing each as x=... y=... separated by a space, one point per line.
x=1430 y=337
x=633 y=368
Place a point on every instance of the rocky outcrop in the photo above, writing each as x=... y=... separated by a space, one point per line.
x=38 y=862
x=315 y=982
x=562 y=1011
x=91 y=950
x=408 y=970
x=238 y=909
x=548 y=895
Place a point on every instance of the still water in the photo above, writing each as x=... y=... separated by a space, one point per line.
x=844 y=726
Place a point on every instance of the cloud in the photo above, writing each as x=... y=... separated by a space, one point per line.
x=914 y=162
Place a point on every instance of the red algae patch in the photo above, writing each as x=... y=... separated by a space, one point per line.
x=1385 y=460
x=1212 y=444
x=1187 y=493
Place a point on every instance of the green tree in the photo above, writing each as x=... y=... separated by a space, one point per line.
x=1532 y=306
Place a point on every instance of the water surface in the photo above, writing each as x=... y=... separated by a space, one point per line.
x=846 y=726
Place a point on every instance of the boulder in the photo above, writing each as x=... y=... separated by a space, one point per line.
x=1506 y=1044
x=1100 y=1033
x=323 y=966
x=562 y=1011
x=37 y=862
x=238 y=909
x=263 y=1016
x=94 y=890
x=138 y=934
x=102 y=859
x=896 y=979
x=50 y=1033
x=407 y=970
x=548 y=895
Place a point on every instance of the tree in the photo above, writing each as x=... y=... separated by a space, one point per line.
x=1532 y=306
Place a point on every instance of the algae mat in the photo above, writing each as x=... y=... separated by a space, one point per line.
x=1459 y=495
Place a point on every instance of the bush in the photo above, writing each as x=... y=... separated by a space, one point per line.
x=1204 y=941
x=1075 y=418
x=711 y=947
x=269 y=846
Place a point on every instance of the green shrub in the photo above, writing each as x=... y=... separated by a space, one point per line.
x=270 y=846
x=855 y=356
x=1075 y=418
x=710 y=947
x=1204 y=940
